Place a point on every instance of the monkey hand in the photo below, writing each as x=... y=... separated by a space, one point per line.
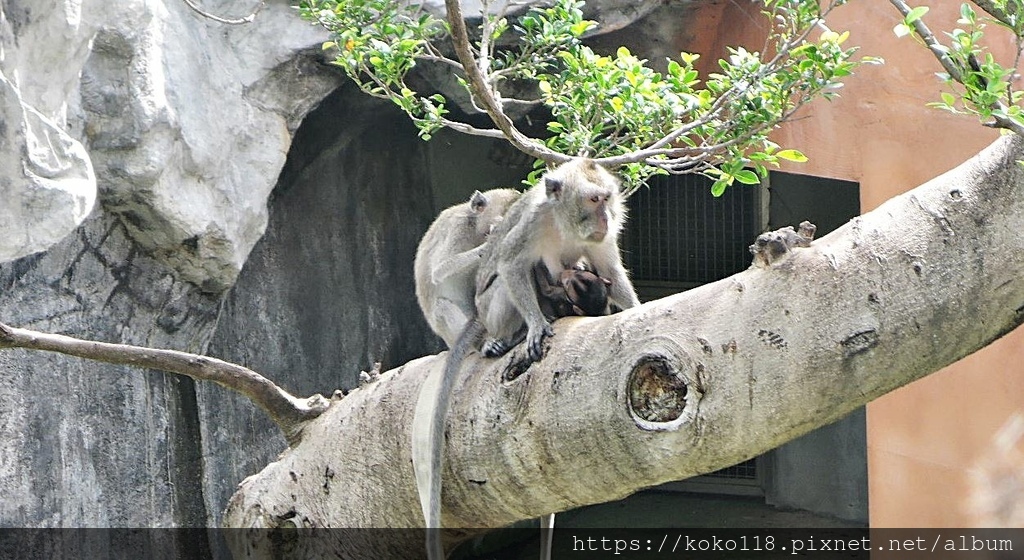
x=535 y=340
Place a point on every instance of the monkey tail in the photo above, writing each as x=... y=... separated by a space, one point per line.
x=430 y=449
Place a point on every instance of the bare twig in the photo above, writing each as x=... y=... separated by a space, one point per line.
x=288 y=412
x=239 y=21
x=472 y=130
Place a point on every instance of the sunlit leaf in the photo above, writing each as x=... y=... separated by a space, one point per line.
x=747 y=177
x=915 y=14
x=792 y=155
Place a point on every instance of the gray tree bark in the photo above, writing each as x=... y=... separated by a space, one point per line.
x=680 y=386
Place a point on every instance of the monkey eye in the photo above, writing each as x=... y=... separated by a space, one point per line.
x=595 y=199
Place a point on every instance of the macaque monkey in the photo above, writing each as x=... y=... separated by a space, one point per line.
x=448 y=256
x=575 y=212
x=445 y=269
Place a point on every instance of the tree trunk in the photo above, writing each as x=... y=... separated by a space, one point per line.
x=680 y=386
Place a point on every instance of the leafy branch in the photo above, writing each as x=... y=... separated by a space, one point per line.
x=615 y=109
x=978 y=83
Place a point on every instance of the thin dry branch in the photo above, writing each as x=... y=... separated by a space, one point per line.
x=236 y=21
x=290 y=413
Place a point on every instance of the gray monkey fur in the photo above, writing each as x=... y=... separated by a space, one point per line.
x=448 y=256
x=575 y=212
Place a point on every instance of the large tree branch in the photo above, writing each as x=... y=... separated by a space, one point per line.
x=683 y=385
x=288 y=412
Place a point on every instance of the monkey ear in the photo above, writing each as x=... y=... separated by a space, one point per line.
x=478 y=201
x=553 y=186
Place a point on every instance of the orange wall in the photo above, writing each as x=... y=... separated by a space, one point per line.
x=923 y=439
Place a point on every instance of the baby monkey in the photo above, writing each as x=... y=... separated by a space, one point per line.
x=577 y=291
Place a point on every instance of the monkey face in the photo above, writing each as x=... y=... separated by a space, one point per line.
x=597 y=210
x=594 y=216
x=587 y=196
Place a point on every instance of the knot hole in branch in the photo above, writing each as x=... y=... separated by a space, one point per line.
x=656 y=391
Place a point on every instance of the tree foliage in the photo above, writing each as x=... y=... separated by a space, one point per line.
x=615 y=107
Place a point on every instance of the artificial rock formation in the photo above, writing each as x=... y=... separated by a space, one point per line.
x=139 y=145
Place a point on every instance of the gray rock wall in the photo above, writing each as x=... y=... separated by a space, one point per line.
x=138 y=145
x=86 y=444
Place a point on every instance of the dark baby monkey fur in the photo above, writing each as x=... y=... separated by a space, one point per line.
x=576 y=291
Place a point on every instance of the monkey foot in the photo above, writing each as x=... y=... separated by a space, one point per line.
x=495 y=348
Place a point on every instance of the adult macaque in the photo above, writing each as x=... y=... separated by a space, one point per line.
x=448 y=257
x=575 y=212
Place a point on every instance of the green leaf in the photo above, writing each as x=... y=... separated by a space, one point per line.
x=915 y=14
x=580 y=27
x=967 y=15
x=792 y=155
x=747 y=177
x=718 y=189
